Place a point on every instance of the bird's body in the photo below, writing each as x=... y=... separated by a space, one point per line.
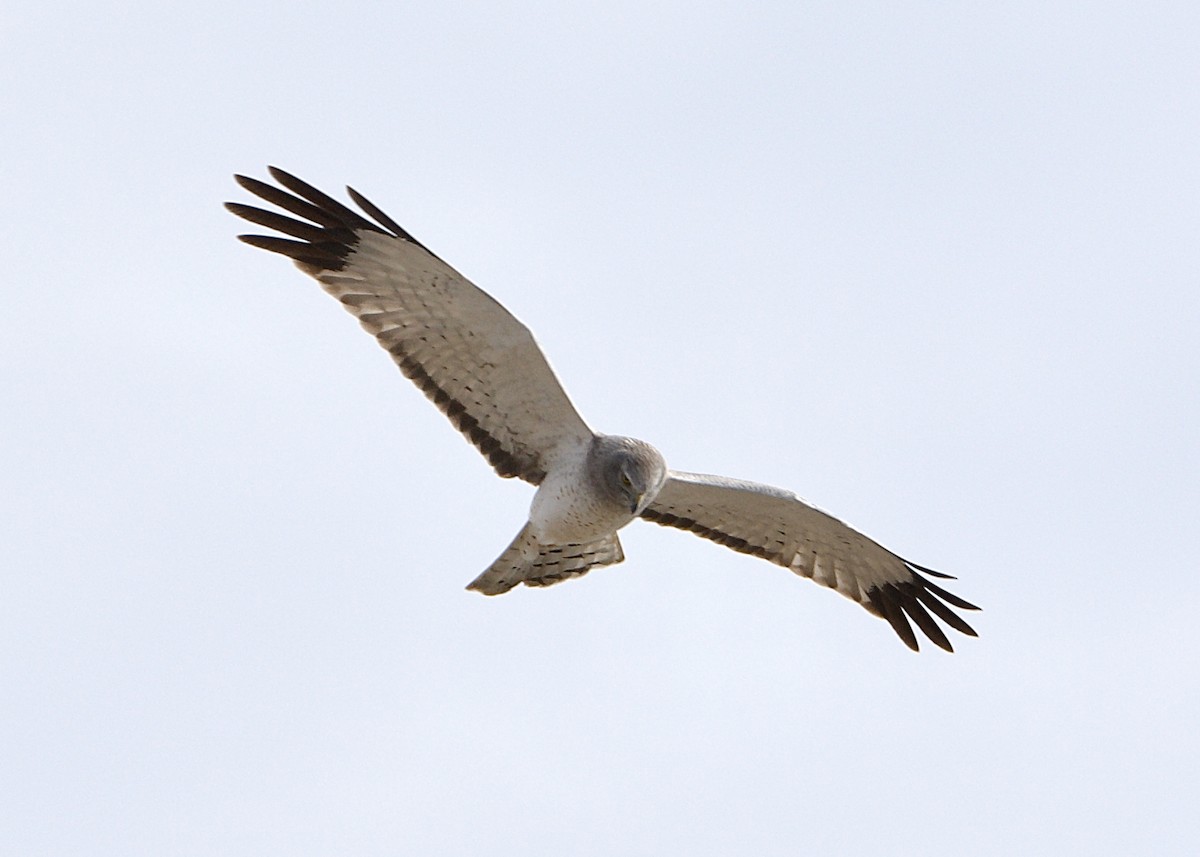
x=572 y=504
x=484 y=370
x=566 y=507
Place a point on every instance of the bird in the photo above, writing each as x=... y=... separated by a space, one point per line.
x=483 y=369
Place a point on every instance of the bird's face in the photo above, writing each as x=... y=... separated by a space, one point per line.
x=635 y=475
x=627 y=472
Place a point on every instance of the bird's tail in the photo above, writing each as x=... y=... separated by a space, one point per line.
x=528 y=561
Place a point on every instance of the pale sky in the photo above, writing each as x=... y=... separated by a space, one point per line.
x=934 y=267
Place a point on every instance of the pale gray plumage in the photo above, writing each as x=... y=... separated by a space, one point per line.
x=484 y=370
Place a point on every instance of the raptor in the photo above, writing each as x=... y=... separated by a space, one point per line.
x=486 y=373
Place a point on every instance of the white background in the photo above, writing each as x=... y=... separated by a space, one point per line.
x=933 y=266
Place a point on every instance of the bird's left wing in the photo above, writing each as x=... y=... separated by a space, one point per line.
x=468 y=354
x=778 y=526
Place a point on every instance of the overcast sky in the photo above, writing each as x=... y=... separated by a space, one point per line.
x=934 y=267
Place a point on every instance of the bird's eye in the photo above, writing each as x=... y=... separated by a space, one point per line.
x=625 y=481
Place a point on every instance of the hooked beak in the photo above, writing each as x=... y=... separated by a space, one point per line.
x=636 y=505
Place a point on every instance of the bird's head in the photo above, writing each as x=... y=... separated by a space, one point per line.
x=629 y=472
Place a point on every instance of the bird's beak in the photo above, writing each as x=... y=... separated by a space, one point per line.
x=636 y=506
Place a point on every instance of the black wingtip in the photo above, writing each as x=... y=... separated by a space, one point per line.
x=285 y=178
x=307 y=202
x=906 y=595
x=948 y=597
x=914 y=600
x=943 y=612
x=325 y=256
x=889 y=608
x=386 y=222
x=940 y=574
x=327 y=230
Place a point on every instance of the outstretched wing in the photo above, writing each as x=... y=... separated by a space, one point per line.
x=468 y=354
x=778 y=526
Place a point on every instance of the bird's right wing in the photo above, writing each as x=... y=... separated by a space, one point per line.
x=465 y=351
x=780 y=527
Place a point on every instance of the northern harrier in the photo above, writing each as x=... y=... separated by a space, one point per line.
x=484 y=370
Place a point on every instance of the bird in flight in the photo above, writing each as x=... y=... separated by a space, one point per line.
x=486 y=373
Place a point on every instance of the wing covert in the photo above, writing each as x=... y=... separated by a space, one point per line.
x=467 y=353
x=780 y=527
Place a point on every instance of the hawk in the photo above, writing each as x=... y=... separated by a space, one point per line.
x=486 y=373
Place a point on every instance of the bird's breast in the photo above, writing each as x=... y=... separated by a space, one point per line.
x=568 y=509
